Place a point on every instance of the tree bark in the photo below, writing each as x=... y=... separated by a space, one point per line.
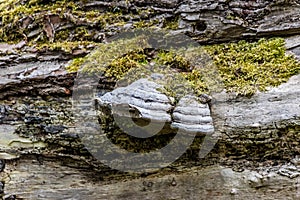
x=42 y=156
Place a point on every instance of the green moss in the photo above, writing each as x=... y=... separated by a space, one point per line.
x=103 y=18
x=173 y=60
x=242 y=67
x=63 y=46
x=248 y=67
x=75 y=64
x=62 y=35
x=197 y=81
x=145 y=23
x=80 y=33
x=120 y=66
x=232 y=17
x=171 y=23
x=13 y=11
x=188 y=65
x=86 y=23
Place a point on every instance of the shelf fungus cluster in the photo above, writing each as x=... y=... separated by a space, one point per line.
x=143 y=103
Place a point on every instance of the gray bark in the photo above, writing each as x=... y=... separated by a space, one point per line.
x=255 y=157
x=45 y=158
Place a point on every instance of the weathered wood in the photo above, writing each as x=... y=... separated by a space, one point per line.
x=206 y=21
x=58 y=167
x=42 y=156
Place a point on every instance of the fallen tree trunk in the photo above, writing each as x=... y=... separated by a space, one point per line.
x=42 y=156
x=39 y=142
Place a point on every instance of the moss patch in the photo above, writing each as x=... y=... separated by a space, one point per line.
x=116 y=53
x=75 y=64
x=73 y=27
x=173 y=60
x=67 y=47
x=171 y=23
x=120 y=66
x=248 y=67
x=13 y=12
x=83 y=23
x=242 y=67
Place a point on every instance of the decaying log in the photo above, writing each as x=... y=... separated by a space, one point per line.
x=44 y=157
x=255 y=157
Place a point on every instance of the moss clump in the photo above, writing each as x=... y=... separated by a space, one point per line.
x=248 y=67
x=75 y=64
x=196 y=79
x=173 y=60
x=64 y=46
x=145 y=24
x=120 y=66
x=171 y=23
x=241 y=67
x=119 y=55
x=14 y=13
x=32 y=21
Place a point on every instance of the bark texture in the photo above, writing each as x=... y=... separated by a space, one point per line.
x=42 y=156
